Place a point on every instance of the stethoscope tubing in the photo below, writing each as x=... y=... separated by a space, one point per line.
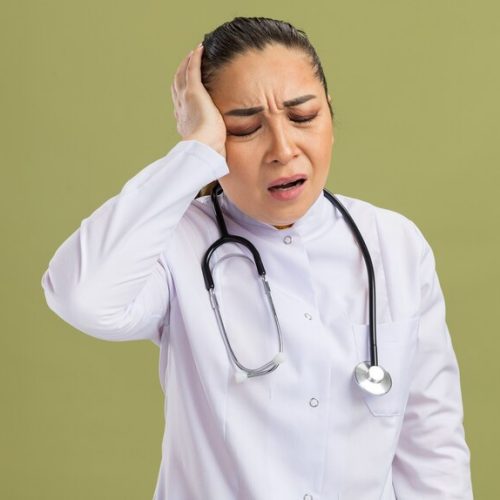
x=371 y=275
x=371 y=377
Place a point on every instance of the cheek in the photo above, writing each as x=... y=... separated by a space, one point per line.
x=241 y=161
x=323 y=146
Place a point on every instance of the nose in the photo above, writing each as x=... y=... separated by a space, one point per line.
x=282 y=147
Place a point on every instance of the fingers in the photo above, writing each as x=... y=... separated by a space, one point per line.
x=189 y=96
x=180 y=75
x=188 y=70
x=178 y=83
x=193 y=71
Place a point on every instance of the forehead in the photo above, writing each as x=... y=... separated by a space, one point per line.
x=276 y=72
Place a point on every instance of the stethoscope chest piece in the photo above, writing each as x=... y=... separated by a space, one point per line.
x=373 y=379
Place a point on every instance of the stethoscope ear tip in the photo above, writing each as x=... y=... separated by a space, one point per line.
x=240 y=376
x=279 y=358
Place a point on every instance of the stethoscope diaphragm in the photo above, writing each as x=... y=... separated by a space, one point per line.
x=373 y=379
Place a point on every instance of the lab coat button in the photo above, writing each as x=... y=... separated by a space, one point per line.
x=287 y=240
x=308 y=316
x=313 y=402
x=308 y=497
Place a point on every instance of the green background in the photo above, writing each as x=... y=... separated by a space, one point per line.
x=86 y=104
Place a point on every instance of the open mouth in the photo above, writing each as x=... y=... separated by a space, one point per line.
x=287 y=185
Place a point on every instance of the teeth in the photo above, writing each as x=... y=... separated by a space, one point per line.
x=288 y=185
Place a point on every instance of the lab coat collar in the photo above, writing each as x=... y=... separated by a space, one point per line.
x=320 y=215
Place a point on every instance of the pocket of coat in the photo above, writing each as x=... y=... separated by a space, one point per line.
x=396 y=343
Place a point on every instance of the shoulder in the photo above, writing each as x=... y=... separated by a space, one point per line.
x=393 y=228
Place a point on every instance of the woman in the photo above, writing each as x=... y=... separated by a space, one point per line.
x=254 y=113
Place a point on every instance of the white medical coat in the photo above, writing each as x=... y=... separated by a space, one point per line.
x=132 y=270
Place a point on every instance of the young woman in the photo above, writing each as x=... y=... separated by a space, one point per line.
x=277 y=394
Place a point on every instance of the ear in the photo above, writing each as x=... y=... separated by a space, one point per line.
x=329 y=98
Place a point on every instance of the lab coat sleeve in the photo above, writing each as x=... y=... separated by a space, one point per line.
x=108 y=279
x=432 y=459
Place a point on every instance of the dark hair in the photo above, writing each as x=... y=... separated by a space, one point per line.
x=235 y=37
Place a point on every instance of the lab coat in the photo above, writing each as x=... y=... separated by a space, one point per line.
x=132 y=270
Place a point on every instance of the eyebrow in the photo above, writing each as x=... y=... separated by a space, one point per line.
x=252 y=111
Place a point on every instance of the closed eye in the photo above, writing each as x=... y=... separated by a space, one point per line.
x=303 y=119
x=297 y=119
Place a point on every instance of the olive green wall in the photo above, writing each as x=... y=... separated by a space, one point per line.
x=86 y=103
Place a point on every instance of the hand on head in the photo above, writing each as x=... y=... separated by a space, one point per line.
x=196 y=114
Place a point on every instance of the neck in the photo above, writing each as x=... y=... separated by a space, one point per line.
x=283 y=227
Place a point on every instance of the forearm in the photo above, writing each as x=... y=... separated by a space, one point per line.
x=432 y=458
x=95 y=275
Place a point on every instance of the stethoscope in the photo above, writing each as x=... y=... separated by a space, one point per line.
x=369 y=375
